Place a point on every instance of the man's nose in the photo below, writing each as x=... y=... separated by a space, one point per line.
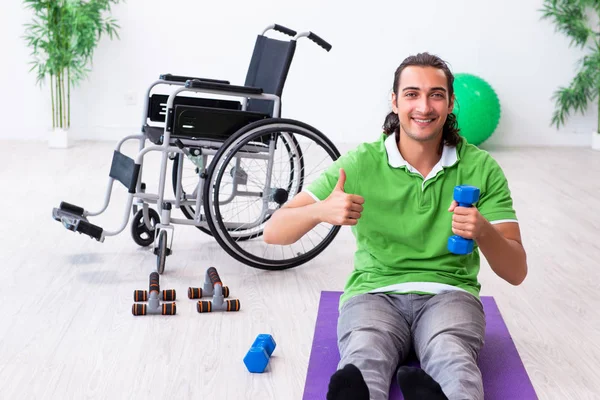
x=424 y=105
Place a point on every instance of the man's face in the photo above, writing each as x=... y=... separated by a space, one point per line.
x=422 y=103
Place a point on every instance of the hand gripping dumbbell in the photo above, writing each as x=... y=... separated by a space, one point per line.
x=153 y=296
x=465 y=196
x=213 y=287
x=258 y=356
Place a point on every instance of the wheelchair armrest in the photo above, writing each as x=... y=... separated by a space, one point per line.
x=179 y=78
x=199 y=84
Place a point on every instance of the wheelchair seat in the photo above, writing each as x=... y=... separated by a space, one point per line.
x=198 y=118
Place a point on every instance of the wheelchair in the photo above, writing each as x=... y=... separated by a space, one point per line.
x=233 y=162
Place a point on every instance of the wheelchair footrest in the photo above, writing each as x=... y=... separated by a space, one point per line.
x=73 y=209
x=72 y=218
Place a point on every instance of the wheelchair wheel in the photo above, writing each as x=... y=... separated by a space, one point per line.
x=190 y=182
x=161 y=255
x=252 y=175
x=139 y=231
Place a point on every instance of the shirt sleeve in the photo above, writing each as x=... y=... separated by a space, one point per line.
x=496 y=203
x=324 y=184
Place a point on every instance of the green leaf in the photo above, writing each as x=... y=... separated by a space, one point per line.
x=571 y=19
x=63 y=35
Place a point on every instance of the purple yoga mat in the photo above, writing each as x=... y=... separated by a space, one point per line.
x=504 y=376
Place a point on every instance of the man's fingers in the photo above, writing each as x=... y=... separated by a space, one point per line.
x=464 y=210
x=356 y=207
x=453 y=205
x=350 y=221
x=357 y=199
x=341 y=180
x=463 y=218
x=462 y=233
x=353 y=215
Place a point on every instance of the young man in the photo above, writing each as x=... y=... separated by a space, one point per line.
x=407 y=289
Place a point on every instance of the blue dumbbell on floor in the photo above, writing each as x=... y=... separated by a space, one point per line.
x=258 y=356
x=465 y=196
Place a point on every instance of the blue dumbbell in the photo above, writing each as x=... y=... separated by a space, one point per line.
x=258 y=356
x=465 y=196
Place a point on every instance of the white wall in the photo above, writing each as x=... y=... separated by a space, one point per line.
x=344 y=93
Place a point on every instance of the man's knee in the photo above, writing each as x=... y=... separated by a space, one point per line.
x=455 y=345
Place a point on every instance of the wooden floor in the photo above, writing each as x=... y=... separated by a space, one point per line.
x=67 y=331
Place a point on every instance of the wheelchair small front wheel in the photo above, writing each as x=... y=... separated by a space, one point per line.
x=256 y=171
x=161 y=252
x=140 y=232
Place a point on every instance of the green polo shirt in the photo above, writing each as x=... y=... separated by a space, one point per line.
x=403 y=232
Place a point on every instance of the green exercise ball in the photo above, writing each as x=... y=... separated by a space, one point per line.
x=476 y=107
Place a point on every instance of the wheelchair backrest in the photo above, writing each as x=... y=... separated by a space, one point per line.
x=268 y=70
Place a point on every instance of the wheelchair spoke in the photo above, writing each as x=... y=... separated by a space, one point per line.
x=278 y=169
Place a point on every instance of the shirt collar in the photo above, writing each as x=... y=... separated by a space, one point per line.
x=395 y=159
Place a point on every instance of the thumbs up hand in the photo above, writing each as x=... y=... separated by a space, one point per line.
x=341 y=180
x=341 y=208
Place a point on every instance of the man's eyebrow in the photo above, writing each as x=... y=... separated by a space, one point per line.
x=433 y=89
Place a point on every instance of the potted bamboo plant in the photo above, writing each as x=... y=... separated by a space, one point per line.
x=576 y=19
x=63 y=36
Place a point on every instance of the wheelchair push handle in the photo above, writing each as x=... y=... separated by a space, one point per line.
x=283 y=29
x=315 y=38
x=319 y=41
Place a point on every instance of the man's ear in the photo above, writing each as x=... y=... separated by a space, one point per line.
x=394 y=103
x=451 y=105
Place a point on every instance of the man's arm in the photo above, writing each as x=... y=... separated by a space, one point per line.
x=292 y=221
x=302 y=213
x=500 y=243
x=502 y=247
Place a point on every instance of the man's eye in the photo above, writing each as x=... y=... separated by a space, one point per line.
x=438 y=95
x=410 y=94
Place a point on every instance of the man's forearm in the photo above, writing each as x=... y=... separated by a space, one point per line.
x=506 y=257
x=287 y=225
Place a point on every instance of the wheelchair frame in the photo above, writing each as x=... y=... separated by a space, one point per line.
x=129 y=171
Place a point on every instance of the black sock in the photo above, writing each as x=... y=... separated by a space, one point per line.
x=348 y=384
x=416 y=384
